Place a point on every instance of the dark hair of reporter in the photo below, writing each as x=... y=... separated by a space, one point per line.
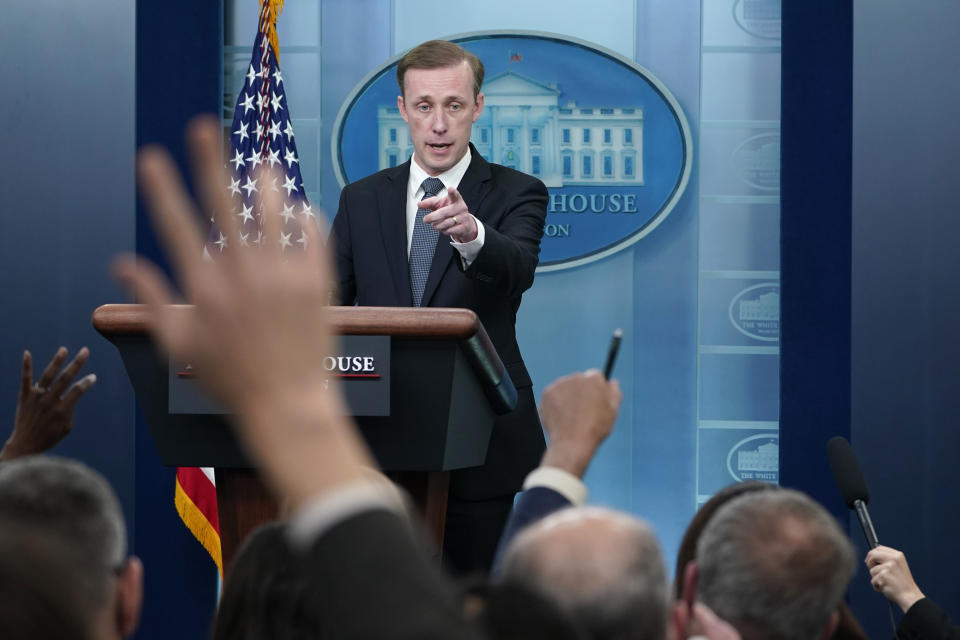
x=848 y=627
x=39 y=587
x=511 y=611
x=688 y=546
x=266 y=595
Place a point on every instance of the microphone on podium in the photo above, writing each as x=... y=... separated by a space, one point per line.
x=853 y=488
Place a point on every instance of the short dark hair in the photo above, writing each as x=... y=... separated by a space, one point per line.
x=688 y=546
x=774 y=564
x=69 y=500
x=41 y=585
x=438 y=54
x=267 y=593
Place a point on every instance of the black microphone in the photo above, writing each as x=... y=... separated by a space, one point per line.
x=850 y=482
x=853 y=489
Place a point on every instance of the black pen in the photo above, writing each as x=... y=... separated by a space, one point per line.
x=612 y=353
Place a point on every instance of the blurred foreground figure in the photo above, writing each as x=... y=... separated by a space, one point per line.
x=267 y=594
x=38 y=581
x=77 y=511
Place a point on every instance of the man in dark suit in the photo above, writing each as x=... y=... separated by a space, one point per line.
x=449 y=229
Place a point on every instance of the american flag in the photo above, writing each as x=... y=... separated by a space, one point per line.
x=261 y=136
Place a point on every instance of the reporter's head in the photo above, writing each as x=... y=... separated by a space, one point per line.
x=602 y=567
x=75 y=508
x=774 y=564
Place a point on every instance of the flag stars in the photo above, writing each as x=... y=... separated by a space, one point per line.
x=277 y=77
x=287 y=213
x=251 y=75
x=290 y=184
x=285 y=240
x=247 y=103
x=221 y=242
x=243 y=131
x=259 y=131
x=290 y=157
x=275 y=103
x=260 y=101
x=274 y=157
x=274 y=130
x=246 y=214
x=307 y=211
x=254 y=159
x=243 y=239
x=238 y=160
x=250 y=186
x=234 y=186
x=289 y=131
x=302 y=240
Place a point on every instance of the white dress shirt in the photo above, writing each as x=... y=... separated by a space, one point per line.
x=563 y=482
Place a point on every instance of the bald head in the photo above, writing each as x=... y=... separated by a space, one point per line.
x=601 y=566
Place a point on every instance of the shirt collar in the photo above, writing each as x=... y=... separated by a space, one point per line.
x=450 y=178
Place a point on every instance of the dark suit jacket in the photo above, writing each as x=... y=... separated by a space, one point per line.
x=533 y=504
x=371 y=258
x=926 y=621
x=372 y=579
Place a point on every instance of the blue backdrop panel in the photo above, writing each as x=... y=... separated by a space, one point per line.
x=905 y=360
x=66 y=188
x=181 y=579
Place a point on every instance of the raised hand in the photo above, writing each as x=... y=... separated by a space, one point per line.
x=44 y=414
x=890 y=575
x=578 y=413
x=257 y=334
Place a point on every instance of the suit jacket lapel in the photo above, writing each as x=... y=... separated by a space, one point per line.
x=473 y=187
x=392 y=205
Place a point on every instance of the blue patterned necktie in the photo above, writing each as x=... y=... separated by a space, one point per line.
x=423 y=244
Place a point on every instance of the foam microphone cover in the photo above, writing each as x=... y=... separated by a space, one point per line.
x=846 y=471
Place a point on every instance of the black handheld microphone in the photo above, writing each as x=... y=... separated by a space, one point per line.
x=853 y=489
x=850 y=482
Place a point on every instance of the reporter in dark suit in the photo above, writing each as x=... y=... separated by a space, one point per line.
x=449 y=229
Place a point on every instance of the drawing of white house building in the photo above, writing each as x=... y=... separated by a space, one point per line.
x=766 y=457
x=764 y=307
x=524 y=127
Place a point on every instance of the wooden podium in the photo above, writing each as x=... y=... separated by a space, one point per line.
x=444 y=385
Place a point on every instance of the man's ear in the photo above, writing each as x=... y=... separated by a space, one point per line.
x=680 y=617
x=403 y=110
x=478 y=107
x=129 y=596
x=831 y=625
x=682 y=610
x=691 y=573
